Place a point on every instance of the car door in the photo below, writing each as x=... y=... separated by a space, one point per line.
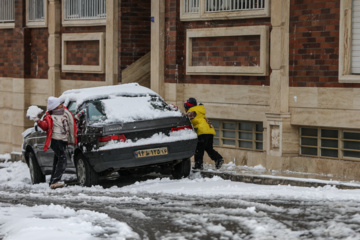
x=45 y=158
x=71 y=106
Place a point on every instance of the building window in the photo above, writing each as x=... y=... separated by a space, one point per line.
x=236 y=134
x=330 y=143
x=7 y=13
x=36 y=13
x=349 y=46
x=76 y=11
x=223 y=9
x=228 y=51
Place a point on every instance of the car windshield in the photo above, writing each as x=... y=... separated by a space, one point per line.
x=129 y=109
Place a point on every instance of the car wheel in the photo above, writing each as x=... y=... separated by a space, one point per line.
x=35 y=172
x=85 y=173
x=182 y=169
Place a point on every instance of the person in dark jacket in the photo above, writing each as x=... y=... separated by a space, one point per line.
x=205 y=132
x=60 y=127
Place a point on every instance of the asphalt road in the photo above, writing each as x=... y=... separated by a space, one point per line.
x=164 y=216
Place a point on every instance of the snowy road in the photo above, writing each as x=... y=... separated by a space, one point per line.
x=154 y=208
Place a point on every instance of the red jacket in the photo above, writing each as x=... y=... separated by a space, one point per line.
x=47 y=125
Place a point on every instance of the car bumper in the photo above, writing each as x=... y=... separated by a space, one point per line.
x=116 y=159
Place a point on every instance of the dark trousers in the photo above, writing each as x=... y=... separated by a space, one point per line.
x=60 y=161
x=205 y=143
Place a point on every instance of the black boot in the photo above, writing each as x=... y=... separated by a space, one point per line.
x=219 y=163
x=198 y=166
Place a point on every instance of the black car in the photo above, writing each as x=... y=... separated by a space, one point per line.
x=124 y=128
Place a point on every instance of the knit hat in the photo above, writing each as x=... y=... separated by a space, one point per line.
x=191 y=102
x=53 y=103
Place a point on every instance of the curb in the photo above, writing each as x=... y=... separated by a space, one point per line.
x=263 y=180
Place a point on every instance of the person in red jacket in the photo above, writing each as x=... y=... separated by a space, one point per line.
x=60 y=127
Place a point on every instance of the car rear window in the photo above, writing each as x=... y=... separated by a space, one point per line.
x=129 y=109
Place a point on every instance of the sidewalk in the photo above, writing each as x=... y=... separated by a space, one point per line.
x=260 y=175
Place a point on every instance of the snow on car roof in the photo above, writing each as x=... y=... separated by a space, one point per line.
x=119 y=103
x=129 y=109
x=85 y=94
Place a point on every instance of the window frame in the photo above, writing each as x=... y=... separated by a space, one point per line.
x=220 y=138
x=261 y=70
x=345 y=75
x=8 y=24
x=340 y=146
x=37 y=24
x=81 y=22
x=225 y=15
x=83 y=68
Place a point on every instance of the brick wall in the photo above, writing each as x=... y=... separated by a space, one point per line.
x=82 y=53
x=36 y=53
x=175 y=49
x=12 y=45
x=135 y=31
x=6 y=52
x=314 y=44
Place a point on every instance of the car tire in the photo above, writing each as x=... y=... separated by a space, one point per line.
x=85 y=173
x=35 y=171
x=182 y=169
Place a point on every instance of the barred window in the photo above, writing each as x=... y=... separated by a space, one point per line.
x=236 y=134
x=330 y=143
x=36 y=10
x=7 y=11
x=84 y=9
x=192 y=6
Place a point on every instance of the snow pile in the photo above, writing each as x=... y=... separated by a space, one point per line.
x=58 y=223
x=5 y=156
x=182 y=135
x=14 y=174
x=85 y=94
x=33 y=112
x=129 y=109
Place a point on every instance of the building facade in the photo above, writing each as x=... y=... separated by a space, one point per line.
x=279 y=78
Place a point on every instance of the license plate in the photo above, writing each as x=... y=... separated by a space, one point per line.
x=151 y=152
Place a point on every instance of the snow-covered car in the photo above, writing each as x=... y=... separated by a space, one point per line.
x=124 y=128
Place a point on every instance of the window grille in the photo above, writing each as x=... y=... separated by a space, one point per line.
x=330 y=143
x=235 y=134
x=7 y=11
x=84 y=9
x=36 y=10
x=233 y=5
x=192 y=6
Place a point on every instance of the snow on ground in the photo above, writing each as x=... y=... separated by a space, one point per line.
x=58 y=223
x=44 y=222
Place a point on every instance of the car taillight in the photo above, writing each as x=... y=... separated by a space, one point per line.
x=121 y=138
x=181 y=128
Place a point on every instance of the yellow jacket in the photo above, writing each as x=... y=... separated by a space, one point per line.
x=200 y=122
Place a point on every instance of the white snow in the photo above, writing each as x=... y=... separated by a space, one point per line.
x=33 y=112
x=49 y=222
x=5 y=156
x=182 y=135
x=58 y=223
x=84 y=94
x=123 y=103
x=129 y=109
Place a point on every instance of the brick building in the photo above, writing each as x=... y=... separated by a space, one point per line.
x=279 y=78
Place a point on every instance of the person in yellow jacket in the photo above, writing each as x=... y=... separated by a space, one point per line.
x=205 y=132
